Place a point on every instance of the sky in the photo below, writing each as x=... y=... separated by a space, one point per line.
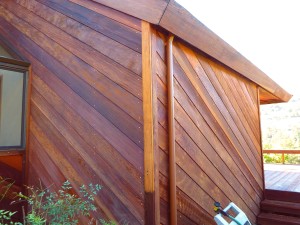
x=266 y=32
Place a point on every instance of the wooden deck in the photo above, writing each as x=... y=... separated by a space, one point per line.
x=282 y=177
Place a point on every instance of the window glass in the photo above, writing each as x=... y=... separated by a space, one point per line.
x=12 y=108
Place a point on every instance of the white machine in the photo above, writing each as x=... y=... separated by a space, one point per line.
x=239 y=219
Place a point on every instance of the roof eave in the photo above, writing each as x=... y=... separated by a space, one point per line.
x=171 y=16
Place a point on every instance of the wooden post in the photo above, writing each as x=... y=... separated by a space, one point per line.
x=171 y=125
x=151 y=159
x=260 y=139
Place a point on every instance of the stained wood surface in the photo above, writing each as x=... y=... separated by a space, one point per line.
x=274 y=219
x=280 y=207
x=151 y=151
x=149 y=10
x=113 y=14
x=171 y=16
x=9 y=171
x=282 y=177
x=285 y=196
x=86 y=120
x=10 y=49
x=267 y=98
x=12 y=181
x=201 y=37
x=218 y=149
x=14 y=161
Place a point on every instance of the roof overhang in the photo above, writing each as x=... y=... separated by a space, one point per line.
x=173 y=17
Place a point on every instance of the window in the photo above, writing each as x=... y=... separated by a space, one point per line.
x=13 y=103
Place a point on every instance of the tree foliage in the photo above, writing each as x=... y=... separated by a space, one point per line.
x=280 y=125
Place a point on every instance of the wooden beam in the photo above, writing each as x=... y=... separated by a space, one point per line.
x=281 y=151
x=260 y=137
x=176 y=19
x=171 y=130
x=25 y=162
x=179 y=21
x=266 y=97
x=148 y=10
x=151 y=158
x=16 y=63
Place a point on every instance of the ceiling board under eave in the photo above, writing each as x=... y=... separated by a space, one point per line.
x=266 y=97
x=179 y=21
x=149 y=10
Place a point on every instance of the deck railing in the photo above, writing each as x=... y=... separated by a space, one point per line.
x=282 y=152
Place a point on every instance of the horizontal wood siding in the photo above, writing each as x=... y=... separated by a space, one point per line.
x=218 y=149
x=86 y=121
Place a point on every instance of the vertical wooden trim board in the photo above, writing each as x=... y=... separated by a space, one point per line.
x=151 y=172
x=171 y=130
x=28 y=97
x=261 y=144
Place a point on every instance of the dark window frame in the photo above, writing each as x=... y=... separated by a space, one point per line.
x=22 y=67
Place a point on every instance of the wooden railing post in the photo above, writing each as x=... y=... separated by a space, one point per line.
x=282 y=158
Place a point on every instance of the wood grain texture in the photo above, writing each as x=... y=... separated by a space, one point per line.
x=102 y=24
x=212 y=100
x=14 y=161
x=266 y=98
x=218 y=150
x=12 y=181
x=10 y=172
x=151 y=169
x=113 y=14
x=171 y=15
x=10 y=49
x=110 y=48
x=86 y=105
x=282 y=177
x=88 y=123
x=149 y=10
x=201 y=37
x=284 y=196
x=186 y=206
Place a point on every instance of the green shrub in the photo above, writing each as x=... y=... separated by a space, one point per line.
x=277 y=158
x=60 y=207
x=56 y=208
x=291 y=159
x=6 y=216
x=272 y=158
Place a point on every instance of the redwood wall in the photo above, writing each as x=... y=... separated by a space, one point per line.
x=11 y=181
x=86 y=109
x=218 y=149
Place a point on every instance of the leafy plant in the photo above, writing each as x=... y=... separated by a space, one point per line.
x=62 y=207
x=277 y=158
x=272 y=158
x=6 y=218
x=6 y=215
x=56 y=208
